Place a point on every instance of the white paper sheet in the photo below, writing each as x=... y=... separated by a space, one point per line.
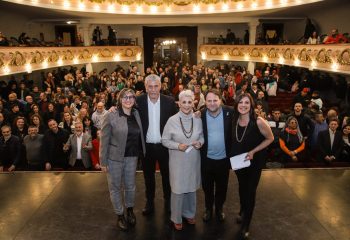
x=189 y=149
x=239 y=161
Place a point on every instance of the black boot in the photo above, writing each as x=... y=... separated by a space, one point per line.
x=244 y=233
x=208 y=214
x=130 y=216
x=149 y=208
x=122 y=224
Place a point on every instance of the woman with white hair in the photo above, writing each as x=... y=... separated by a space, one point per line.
x=183 y=136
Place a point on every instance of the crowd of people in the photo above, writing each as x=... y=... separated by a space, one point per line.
x=70 y=99
x=179 y=115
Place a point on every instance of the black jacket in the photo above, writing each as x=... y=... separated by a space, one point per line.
x=324 y=144
x=10 y=151
x=228 y=118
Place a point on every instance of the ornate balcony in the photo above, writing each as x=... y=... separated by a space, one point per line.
x=334 y=58
x=27 y=59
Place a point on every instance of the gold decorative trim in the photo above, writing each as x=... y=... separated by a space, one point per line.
x=344 y=57
x=272 y=53
x=235 y=52
x=2 y=61
x=37 y=57
x=304 y=55
x=68 y=55
x=322 y=56
x=17 y=59
x=255 y=53
x=288 y=55
x=85 y=54
x=105 y=53
x=53 y=56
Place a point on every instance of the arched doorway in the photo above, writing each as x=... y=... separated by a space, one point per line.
x=151 y=33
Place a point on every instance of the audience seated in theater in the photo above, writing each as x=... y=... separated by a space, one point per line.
x=345 y=156
x=51 y=113
x=95 y=152
x=14 y=113
x=330 y=142
x=34 y=145
x=292 y=141
x=10 y=150
x=3 y=40
x=335 y=37
x=302 y=97
x=315 y=98
x=35 y=94
x=320 y=125
x=2 y=120
x=97 y=116
x=36 y=120
x=67 y=123
x=314 y=39
x=276 y=124
x=89 y=127
x=54 y=139
x=79 y=145
x=22 y=91
x=304 y=122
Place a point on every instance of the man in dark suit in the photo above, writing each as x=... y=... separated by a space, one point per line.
x=217 y=128
x=155 y=110
x=330 y=142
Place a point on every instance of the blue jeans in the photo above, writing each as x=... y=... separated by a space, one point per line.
x=121 y=181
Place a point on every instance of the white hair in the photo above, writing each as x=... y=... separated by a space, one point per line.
x=186 y=93
x=152 y=77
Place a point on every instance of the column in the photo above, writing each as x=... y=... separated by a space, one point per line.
x=85 y=28
x=89 y=68
x=252 y=37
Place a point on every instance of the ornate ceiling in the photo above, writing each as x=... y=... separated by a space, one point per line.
x=164 y=7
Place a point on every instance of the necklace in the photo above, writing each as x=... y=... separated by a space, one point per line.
x=187 y=134
x=240 y=140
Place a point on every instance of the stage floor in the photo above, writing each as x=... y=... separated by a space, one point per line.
x=298 y=204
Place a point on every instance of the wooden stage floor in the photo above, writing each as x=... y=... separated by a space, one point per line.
x=298 y=204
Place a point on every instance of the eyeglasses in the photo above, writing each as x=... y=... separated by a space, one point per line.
x=125 y=98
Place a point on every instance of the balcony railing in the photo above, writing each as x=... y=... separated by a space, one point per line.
x=27 y=59
x=334 y=58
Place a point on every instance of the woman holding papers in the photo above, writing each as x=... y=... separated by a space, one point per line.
x=183 y=136
x=251 y=135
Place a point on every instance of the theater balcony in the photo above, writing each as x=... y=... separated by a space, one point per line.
x=28 y=59
x=333 y=58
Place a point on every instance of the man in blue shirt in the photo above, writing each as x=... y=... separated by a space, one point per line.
x=217 y=128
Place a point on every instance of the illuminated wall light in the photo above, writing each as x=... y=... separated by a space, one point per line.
x=204 y=55
x=139 y=9
x=138 y=56
x=81 y=6
x=225 y=56
x=196 y=8
x=283 y=2
x=211 y=8
x=111 y=7
x=28 y=68
x=246 y=57
x=60 y=62
x=45 y=64
x=335 y=66
x=35 y=2
x=75 y=61
x=313 y=64
x=154 y=9
x=281 y=60
x=254 y=5
x=51 y=2
x=168 y=9
x=125 y=9
x=225 y=7
x=117 y=58
x=97 y=8
x=265 y=58
x=66 y=4
x=296 y=62
x=268 y=3
x=7 y=70
x=95 y=58
x=239 y=6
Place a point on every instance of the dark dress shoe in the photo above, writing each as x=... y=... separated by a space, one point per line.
x=208 y=214
x=122 y=224
x=130 y=217
x=244 y=233
x=220 y=216
x=148 y=210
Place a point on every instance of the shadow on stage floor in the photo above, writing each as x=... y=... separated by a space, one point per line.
x=291 y=204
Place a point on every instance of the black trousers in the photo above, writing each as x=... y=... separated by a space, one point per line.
x=215 y=174
x=248 y=180
x=154 y=153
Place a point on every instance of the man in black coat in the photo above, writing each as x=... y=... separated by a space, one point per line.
x=54 y=140
x=330 y=142
x=215 y=165
x=10 y=150
x=155 y=109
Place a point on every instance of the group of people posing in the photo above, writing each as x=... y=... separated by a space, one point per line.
x=192 y=149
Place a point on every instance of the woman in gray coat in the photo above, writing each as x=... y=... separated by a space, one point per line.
x=121 y=142
x=183 y=136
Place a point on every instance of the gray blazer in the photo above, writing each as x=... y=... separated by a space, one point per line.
x=85 y=156
x=114 y=134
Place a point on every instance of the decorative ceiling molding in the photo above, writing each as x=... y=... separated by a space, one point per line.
x=27 y=59
x=333 y=58
x=166 y=7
